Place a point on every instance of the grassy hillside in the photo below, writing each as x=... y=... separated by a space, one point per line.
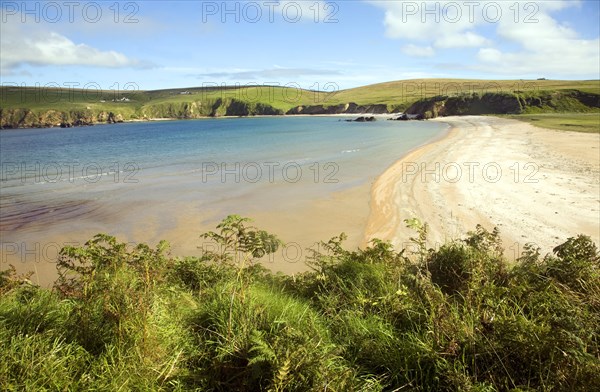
x=392 y=93
x=405 y=92
x=578 y=122
x=457 y=318
x=30 y=107
x=69 y=99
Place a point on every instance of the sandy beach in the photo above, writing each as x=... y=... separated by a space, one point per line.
x=536 y=185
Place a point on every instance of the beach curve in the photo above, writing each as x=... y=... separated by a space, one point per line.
x=536 y=185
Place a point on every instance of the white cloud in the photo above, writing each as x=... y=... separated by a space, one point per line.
x=569 y=58
x=37 y=45
x=490 y=55
x=543 y=44
x=443 y=24
x=547 y=47
x=418 y=51
x=464 y=40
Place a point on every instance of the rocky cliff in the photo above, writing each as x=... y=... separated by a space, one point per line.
x=345 y=108
x=465 y=104
x=26 y=118
x=505 y=103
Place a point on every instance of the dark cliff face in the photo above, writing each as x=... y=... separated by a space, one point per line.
x=243 y=108
x=505 y=103
x=26 y=118
x=490 y=103
x=347 y=108
x=588 y=99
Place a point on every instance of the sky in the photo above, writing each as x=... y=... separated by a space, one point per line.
x=322 y=45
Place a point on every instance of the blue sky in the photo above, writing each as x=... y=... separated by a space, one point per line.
x=311 y=44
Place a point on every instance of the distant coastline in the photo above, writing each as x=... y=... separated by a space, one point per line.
x=24 y=107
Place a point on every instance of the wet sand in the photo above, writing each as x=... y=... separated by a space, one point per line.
x=299 y=223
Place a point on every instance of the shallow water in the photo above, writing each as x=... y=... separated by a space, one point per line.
x=135 y=178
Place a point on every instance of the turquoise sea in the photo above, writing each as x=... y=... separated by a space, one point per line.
x=121 y=178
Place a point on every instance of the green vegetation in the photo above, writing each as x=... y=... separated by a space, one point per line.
x=45 y=107
x=64 y=99
x=457 y=318
x=405 y=92
x=579 y=122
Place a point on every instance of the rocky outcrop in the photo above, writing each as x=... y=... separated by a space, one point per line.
x=467 y=104
x=344 y=108
x=505 y=103
x=588 y=99
x=207 y=108
x=115 y=118
x=182 y=110
x=406 y=117
x=363 y=119
x=236 y=107
x=17 y=118
x=26 y=118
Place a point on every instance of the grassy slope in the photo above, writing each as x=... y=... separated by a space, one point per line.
x=278 y=97
x=63 y=99
x=397 y=93
x=578 y=122
x=408 y=91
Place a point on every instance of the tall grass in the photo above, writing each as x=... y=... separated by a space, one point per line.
x=378 y=319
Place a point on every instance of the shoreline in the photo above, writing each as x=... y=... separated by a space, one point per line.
x=383 y=218
x=301 y=227
x=536 y=177
x=162 y=119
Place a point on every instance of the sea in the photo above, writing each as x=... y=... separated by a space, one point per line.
x=62 y=185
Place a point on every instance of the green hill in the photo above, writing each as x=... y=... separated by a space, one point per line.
x=47 y=107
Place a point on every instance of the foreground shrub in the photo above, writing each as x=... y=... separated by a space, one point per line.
x=374 y=319
x=111 y=288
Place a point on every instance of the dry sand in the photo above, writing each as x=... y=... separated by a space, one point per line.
x=536 y=185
